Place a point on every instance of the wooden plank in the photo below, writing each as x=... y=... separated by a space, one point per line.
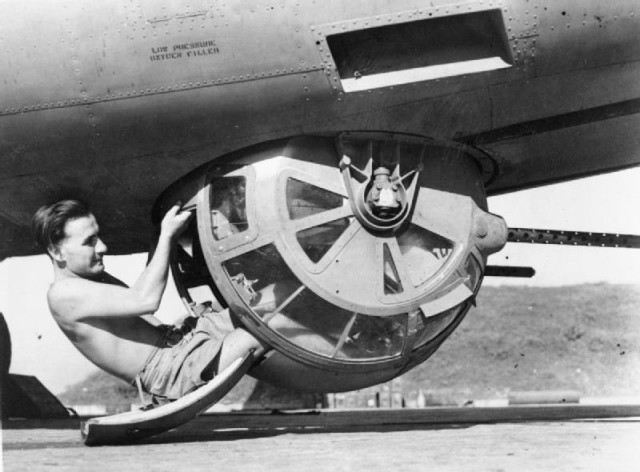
x=425 y=416
x=544 y=397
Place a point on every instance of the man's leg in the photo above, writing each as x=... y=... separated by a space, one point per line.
x=236 y=344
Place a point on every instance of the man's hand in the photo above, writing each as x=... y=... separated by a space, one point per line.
x=175 y=222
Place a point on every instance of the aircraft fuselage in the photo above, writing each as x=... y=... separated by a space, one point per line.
x=111 y=101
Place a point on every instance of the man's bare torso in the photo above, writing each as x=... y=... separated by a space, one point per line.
x=119 y=345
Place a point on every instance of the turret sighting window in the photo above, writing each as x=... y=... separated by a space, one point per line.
x=374 y=337
x=429 y=328
x=474 y=273
x=304 y=199
x=262 y=279
x=317 y=241
x=228 y=206
x=288 y=307
x=424 y=253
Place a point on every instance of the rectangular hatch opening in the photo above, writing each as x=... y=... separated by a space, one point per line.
x=421 y=50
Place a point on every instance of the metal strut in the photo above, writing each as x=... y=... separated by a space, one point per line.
x=572 y=238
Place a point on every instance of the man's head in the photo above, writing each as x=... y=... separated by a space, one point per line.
x=68 y=232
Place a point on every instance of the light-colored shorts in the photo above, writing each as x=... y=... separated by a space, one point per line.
x=184 y=354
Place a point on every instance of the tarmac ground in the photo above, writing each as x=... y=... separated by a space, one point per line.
x=522 y=438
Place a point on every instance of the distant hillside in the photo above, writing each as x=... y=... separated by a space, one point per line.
x=99 y=388
x=584 y=338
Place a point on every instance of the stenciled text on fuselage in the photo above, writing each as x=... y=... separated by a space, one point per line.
x=184 y=50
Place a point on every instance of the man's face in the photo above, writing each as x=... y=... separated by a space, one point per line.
x=81 y=250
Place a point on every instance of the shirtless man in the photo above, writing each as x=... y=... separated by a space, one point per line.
x=105 y=319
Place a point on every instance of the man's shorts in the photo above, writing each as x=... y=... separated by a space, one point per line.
x=175 y=368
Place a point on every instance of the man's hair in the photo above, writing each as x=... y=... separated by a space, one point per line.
x=49 y=221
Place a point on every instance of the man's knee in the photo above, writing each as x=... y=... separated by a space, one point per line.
x=240 y=339
x=246 y=339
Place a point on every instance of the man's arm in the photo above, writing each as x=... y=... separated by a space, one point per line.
x=79 y=298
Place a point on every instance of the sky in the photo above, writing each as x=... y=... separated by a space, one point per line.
x=606 y=203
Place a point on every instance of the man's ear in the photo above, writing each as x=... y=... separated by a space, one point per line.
x=54 y=253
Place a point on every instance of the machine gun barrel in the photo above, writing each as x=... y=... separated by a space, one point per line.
x=572 y=238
